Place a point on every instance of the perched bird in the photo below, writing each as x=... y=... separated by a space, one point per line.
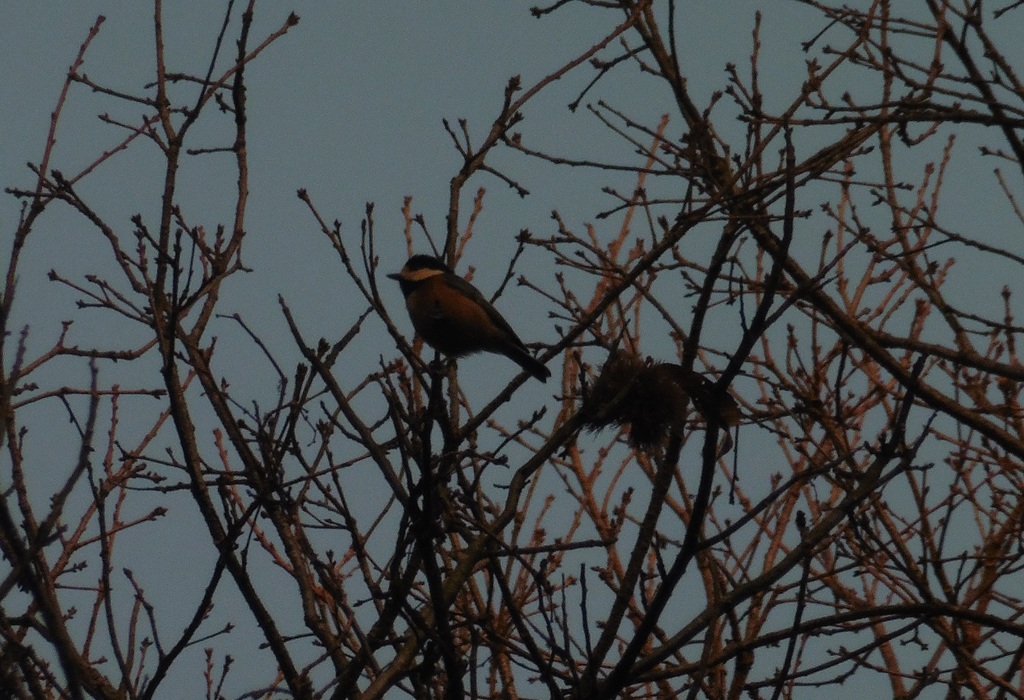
x=455 y=319
x=638 y=393
x=652 y=399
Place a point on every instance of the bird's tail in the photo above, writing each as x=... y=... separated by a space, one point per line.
x=525 y=360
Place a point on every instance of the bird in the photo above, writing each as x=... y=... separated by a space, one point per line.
x=652 y=399
x=454 y=318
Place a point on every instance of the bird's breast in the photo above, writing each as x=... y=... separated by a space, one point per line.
x=449 y=321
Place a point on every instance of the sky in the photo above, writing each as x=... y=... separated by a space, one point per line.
x=349 y=106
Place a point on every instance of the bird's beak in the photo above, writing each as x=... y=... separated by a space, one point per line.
x=395 y=276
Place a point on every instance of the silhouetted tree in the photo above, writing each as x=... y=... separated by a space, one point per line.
x=783 y=452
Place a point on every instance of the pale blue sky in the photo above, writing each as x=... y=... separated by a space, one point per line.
x=349 y=106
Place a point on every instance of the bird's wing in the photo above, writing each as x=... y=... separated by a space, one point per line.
x=474 y=294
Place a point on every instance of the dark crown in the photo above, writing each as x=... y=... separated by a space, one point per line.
x=426 y=262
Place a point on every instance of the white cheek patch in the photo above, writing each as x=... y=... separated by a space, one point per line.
x=420 y=275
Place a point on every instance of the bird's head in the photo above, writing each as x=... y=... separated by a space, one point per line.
x=419 y=268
